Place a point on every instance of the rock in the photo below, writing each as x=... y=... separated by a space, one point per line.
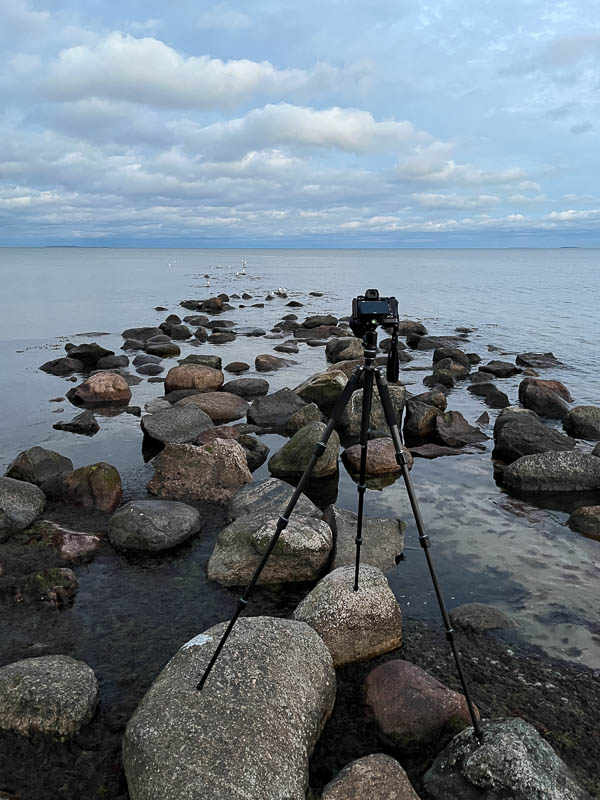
x=236 y=367
x=586 y=520
x=251 y=730
x=411 y=709
x=153 y=525
x=431 y=398
x=538 y=360
x=38 y=465
x=381 y=457
x=62 y=366
x=481 y=377
x=319 y=319
x=256 y=451
x=211 y=472
x=132 y=380
x=418 y=342
x=50 y=695
x=84 y=424
x=180 y=332
x=345 y=348
x=501 y=369
x=132 y=344
x=596 y=450
x=220 y=406
x=193 y=376
x=176 y=425
x=54 y=586
x=479 y=618
x=309 y=413
x=355 y=626
x=382 y=545
x=377 y=777
x=420 y=423
x=90 y=354
x=291 y=348
x=386 y=345
x=22 y=502
x=513 y=761
x=540 y=398
x=322 y=332
x=406 y=326
x=583 y=422
x=453 y=430
x=112 y=362
x=144 y=358
x=101 y=389
x=222 y=337
x=274 y=410
x=248 y=330
x=201 y=334
x=269 y=363
x=300 y=554
x=492 y=396
x=269 y=497
x=94 y=486
x=163 y=350
x=196 y=320
x=71 y=545
x=178 y=394
x=553 y=472
x=458 y=371
x=141 y=334
x=203 y=360
x=323 y=388
x=247 y=387
x=440 y=378
x=518 y=435
x=432 y=450
x=150 y=369
x=293 y=458
x=351 y=418
x=455 y=354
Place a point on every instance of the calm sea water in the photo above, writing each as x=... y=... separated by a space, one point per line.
x=488 y=546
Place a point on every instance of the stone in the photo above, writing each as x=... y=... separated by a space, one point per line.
x=431 y=398
x=319 y=319
x=141 y=334
x=492 y=396
x=406 y=326
x=212 y=472
x=247 y=387
x=163 y=349
x=586 y=520
x=153 y=525
x=501 y=369
x=418 y=342
x=193 y=376
x=112 y=362
x=251 y=730
x=54 y=586
x=249 y=330
x=583 y=422
x=355 y=626
x=542 y=399
x=555 y=386
x=321 y=332
x=84 y=424
x=50 y=695
x=479 y=618
x=291 y=348
x=553 y=472
x=271 y=497
x=62 y=366
x=180 y=332
x=538 y=360
x=512 y=761
x=176 y=425
x=90 y=354
x=274 y=410
x=458 y=371
x=268 y=363
x=411 y=709
x=71 y=545
x=256 y=451
x=196 y=320
x=420 y=423
x=324 y=389
x=518 y=435
x=101 y=389
x=220 y=406
x=453 y=430
x=440 y=378
x=295 y=455
x=22 y=502
x=432 y=450
x=455 y=354
x=222 y=337
x=345 y=348
x=376 y=777
x=351 y=418
x=381 y=457
x=38 y=465
x=236 y=367
x=382 y=545
x=301 y=553
x=309 y=413
x=132 y=344
x=93 y=486
x=150 y=369
x=144 y=358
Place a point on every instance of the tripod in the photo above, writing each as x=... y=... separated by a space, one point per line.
x=371 y=375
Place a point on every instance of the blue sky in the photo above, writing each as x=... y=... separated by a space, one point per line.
x=278 y=123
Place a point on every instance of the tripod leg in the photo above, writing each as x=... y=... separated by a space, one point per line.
x=367 y=401
x=336 y=414
x=389 y=413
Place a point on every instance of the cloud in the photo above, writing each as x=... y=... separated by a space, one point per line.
x=431 y=164
x=225 y=17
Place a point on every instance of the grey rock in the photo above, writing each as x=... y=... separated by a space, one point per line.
x=221 y=337
x=256 y=451
x=251 y=730
x=293 y=458
x=418 y=342
x=382 y=545
x=38 y=465
x=22 y=502
x=268 y=363
x=319 y=319
x=247 y=387
x=150 y=369
x=501 y=369
x=62 y=366
x=586 y=520
x=324 y=389
x=309 y=413
x=177 y=425
x=141 y=334
x=345 y=348
x=271 y=497
x=583 y=422
x=420 y=423
x=406 y=326
x=274 y=410
x=91 y=353
x=553 y=472
x=453 y=430
x=236 y=367
x=454 y=354
x=153 y=525
x=518 y=435
x=351 y=418
x=479 y=617
x=144 y=358
x=290 y=348
x=538 y=360
x=84 y=424
x=542 y=399
x=492 y=396
x=203 y=360
x=376 y=777
x=163 y=350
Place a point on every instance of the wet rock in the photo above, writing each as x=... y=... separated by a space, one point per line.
x=406 y=326
x=293 y=458
x=479 y=618
x=542 y=399
x=256 y=451
x=411 y=709
x=201 y=334
x=322 y=332
x=319 y=319
x=203 y=360
x=93 y=486
x=212 y=472
x=309 y=413
x=453 y=430
x=38 y=465
x=112 y=362
x=382 y=545
x=492 y=396
x=294 y=304
x=180 y=332
x=481 y=377
x=220 y=406
x=90 y=354
x=196 y=320
x=418 y=342
x=141 y=334
x=351 y=418
x=458 y=371
x=324 y=389
x=386 y=345
x=355 y=626
x=431 y=398
x=268 y=363
x=150 y=369
x=586 y=520
x=162 y=338
x=513 y=761
x=153 y=525
x=381 y=457
x=236 y=367
x=163 y=349
x=21 y=502
x=62 y=366
x=455 y=354
x=501 y=369
x=300 y=554
x=274 y=410
x=377 y=777
x=50 y=695
x=193 y=376
x=440 y=378
x=583 y=422
x=345 y=348
x=432 y=450
x=176 y=425
x=518 y=435
x=553 y=472
x=221 y=337
x=55 y=586
x=101 y=389
x=538 y=360
x=71 y=545
x=247 y=387
x=84 y=424
x=270 y=497
x=132 y=344
x=211 y=744
x=291 y=348
x=420 y=423
x=249 y=330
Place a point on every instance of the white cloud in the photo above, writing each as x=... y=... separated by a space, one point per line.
x=430 y=164
x=225 y=17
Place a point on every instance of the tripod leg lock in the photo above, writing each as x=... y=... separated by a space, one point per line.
x=401 y=458
x=319 y=449
x=424 y=541
x=450 y=634
x=282 y=522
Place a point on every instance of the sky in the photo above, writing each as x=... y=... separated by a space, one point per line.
x=278 y=123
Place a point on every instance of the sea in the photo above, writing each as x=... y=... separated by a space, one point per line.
x=488 y=546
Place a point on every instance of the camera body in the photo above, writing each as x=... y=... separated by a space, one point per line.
x=370 y=310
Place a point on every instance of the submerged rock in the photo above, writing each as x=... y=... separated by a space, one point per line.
x=176 y=425
x=220 y=406
x=501 y=369
x=492 y=396
x=479 y=617
x=538 y=360
x=62 y=366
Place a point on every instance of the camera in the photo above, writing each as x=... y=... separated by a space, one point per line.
x=370 y=310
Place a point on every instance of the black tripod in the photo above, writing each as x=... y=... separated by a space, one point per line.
x=372 y=374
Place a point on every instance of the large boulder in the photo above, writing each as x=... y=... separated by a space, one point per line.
x=406 y=326
x=301 y=553
x=420 y=423
x=38 y=465
x=176 y=425
x=351 y=418
x=51 y=695
x=323 y=389
x=518 y=435
x=382 y=539
x=101 y=389
x=251 y=730
x=193 y=376
x=309 y=413
x=220 y=406
x=91 y=353
x=542 y=399
x=381 y=457
x=553 y=472
x=345 y=348
x=376 y=777
x=355 y=626
x=153 y=525
x=94 y=486
x=212 y=472
x=295 y=455
x=411 y=709
x=21 y=503
x=453 y=430
x=512 y=761
x=586 y=520
x=271 y=497
x=583 y=422
x=274 y=410
x=455 y=354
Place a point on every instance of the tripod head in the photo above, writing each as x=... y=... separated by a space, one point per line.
x=369 y=311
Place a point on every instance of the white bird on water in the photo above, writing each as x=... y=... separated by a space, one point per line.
x=207 y=282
